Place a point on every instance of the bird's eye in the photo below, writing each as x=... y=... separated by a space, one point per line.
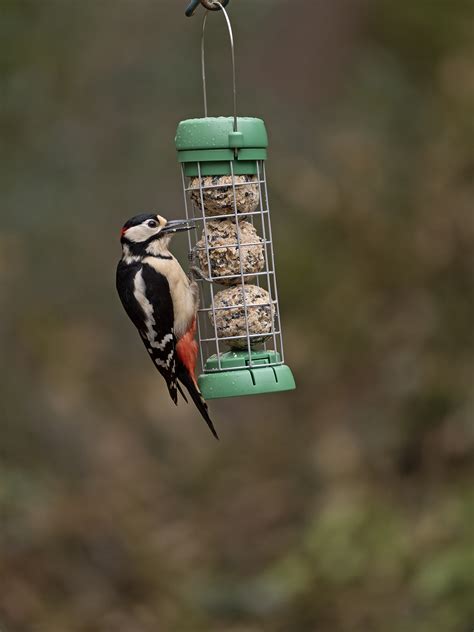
x=152 y=223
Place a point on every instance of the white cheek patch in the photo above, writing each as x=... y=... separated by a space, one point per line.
x=142 y=232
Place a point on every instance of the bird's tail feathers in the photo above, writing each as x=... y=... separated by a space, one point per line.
x=182 y=393
x=192 y=388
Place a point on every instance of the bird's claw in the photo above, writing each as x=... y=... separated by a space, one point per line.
x=196 y=273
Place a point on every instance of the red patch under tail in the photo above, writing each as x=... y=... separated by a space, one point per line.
x=187 y=350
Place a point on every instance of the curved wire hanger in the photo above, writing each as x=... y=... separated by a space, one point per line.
x=207 y=4
x=203 y=60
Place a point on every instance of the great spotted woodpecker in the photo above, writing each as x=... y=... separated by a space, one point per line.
x=162 y=302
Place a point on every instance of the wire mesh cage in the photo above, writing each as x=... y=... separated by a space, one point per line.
x=231 y=251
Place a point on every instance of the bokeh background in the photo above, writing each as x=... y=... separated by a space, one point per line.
x=346 y=505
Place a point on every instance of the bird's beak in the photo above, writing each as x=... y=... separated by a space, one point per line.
x=177 y=225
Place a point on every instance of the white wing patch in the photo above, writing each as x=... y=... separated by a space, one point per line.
x=139 y=293
x=165 y=363
x=161 y=345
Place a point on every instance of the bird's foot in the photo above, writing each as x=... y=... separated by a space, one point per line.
x=196 y=273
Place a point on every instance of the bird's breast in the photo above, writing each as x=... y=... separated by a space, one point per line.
x=182 y=290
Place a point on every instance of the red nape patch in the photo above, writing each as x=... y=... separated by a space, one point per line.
x=123 y=231
x=187 y=350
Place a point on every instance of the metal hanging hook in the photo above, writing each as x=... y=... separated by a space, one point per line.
x=203 y=61
x=207 y=4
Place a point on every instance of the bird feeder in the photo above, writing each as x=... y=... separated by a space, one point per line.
x=231 y=249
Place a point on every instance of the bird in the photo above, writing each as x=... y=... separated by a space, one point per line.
x=162 y=302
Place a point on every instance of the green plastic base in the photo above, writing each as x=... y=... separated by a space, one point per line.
x=236 y=377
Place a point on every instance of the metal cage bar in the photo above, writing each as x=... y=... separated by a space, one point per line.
x=210 y=342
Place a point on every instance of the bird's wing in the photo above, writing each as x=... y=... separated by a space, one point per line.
x=159 y=337
x=145 y=295
x=125 y=287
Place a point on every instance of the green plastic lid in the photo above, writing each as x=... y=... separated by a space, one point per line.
x=235 y=377
x=213 y=142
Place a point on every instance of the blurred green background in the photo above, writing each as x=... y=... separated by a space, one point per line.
x=346 y=505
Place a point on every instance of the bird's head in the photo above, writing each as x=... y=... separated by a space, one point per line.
x=150 y=234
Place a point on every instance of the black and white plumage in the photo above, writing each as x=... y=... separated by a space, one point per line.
x=162 y=302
